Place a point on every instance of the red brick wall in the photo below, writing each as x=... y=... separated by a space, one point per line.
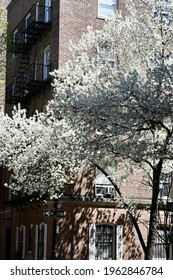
x=69 y=22
x=75 y=226
x=75 y=16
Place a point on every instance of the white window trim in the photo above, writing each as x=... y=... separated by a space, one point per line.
x=92 y=239
x=164 y=11
x=36 y=242
x=47 y=10
x=37 y=6
x=46 y=65
x=103 y=182
x=23 y=241
x=37 y=228
x=119 y=245
x=18 y=229
x=14 y=41
x=45 y=240
x=26 y=26
x=108 y=3
x=108 y=54
x=165 y=180
x=36 y=68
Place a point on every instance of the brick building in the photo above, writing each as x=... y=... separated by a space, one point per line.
x=93 y=226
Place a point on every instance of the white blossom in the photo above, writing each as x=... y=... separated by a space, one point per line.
x=98 y=110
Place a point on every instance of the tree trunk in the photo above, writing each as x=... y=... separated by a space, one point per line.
x=133 y=219
x=152 y=228
x=149 y=253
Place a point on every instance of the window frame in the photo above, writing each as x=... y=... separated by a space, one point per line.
x=36 y=75
x=110 y=4
x=165 y=185
x=47 y=12
x=20 y=241
x=14 y=40
x=104 y=242
x=37 y=8
x=27 y=23
x=116 y=241
x=41 y=244
x=163 y=13
x=160 y=243
x=108 y=54
x=103 y=187
x=46 y=63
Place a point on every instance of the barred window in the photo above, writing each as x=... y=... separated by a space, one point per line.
x=105 y=242
x=161 y=244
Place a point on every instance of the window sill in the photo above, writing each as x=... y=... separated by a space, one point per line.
x=102 y=17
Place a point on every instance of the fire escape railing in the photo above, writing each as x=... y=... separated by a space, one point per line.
x=30 y=78
x=30 y=28
x=28 y=83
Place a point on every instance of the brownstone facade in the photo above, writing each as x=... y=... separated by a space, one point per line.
x=27 y=231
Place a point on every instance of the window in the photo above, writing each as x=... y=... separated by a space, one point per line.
x=162 y=12
x=162 y=244
x=107 y=7
x=14 y=40
x=15 y=35
x=36 y=68
x=41 y=241
x=37 y=12
x=46 y=66
x=105 y=242
x=103 y=186
x=20 y=241
x=108 y=55
x=27 y=23
x=164 y=189
x=47 y=12
x=165 y=183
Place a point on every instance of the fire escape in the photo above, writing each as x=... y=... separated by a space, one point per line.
x=30 y=77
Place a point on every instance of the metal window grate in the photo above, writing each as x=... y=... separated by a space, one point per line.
x=104 y=242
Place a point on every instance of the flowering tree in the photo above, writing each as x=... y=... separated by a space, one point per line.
x=130 y=104
x=112 y=106
x=33 y=150
x=3 y=37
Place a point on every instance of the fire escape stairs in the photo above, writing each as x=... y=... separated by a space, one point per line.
x=28 y=31
x=23 y=62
